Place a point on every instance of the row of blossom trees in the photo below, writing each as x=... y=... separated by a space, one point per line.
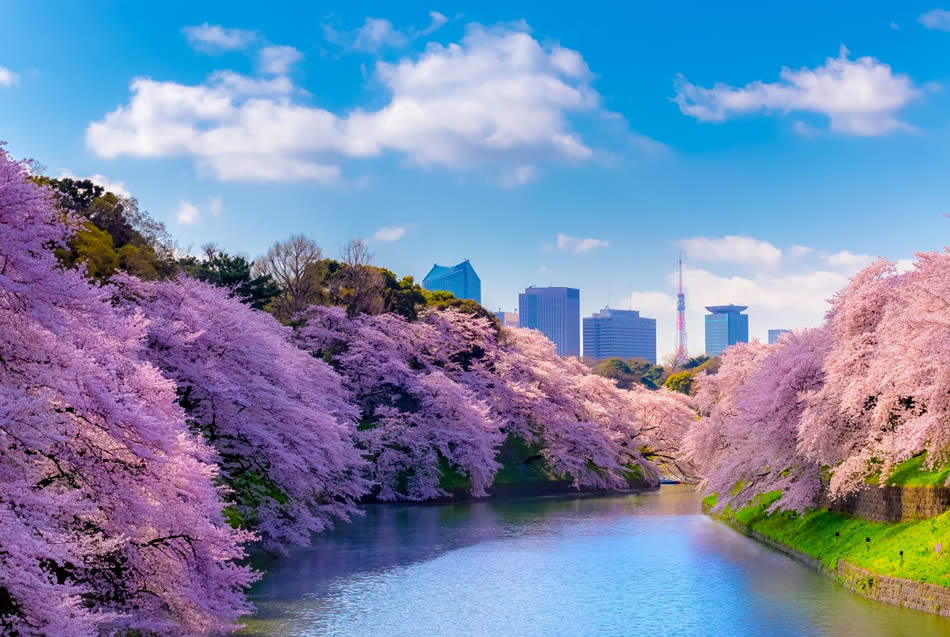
x=150 y=429
x=851 y=399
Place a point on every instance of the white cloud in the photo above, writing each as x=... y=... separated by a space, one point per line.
x=936 y=20
x=378 y=33
x=117 y=188
x=187 y=212
x=216 y=206
x=213 y=38
x=389 y=233
x=498 y=97
x=277 y=60
x=798 y=251
x=849 y=261
x=859 y=97
x=578 y=245
x=791 y=295
x=805 y=130
x=731 y=249
x=775 y=300
x=905 y=265
x=894 y=26
x=437 y=20
x=8 y=77
x=519 y=176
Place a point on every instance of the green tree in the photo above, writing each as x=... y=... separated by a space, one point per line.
x=628 y=373
x=142 y=245
x=234 y=272
x=93 y=248
x=680 y=381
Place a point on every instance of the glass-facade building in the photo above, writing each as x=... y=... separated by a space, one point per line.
x=556 y=312
x=508 y=319
x=460 y=280
x=620 y=334
x=725 y=325
x=775 y=334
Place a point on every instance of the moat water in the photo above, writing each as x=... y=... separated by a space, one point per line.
x=645 y=564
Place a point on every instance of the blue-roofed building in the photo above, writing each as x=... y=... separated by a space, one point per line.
x=725 y=325
x=460 y=280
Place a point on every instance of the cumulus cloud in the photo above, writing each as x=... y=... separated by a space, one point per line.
x=389 y=233
x=731 y=249
x=849 y=261
x=798 y=251
x=775 y=300
x=213 y=38
x=376 y=33
x=187 y=212
x=792 y=294
x=379 y=33
x=936 y=20
x=8 y=77
x=578 y=245
x=497 y=97
x=859 y=97
x=117 y=188
x=277 y=60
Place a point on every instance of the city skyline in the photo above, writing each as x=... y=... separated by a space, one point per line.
x=556 y=312
x=769 y=203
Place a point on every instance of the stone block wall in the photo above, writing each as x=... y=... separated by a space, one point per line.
x=929 y=598
x=894 y=504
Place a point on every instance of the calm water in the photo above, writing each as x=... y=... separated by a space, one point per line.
x=648 y=564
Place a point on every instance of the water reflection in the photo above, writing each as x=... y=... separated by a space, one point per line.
x=646 y=564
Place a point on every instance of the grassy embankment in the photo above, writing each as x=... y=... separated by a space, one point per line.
x=829 y=536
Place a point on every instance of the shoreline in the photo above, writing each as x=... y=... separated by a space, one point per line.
x=888 y=589
x=517 y=492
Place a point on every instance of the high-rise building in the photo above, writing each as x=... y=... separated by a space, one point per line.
x=460 y=280
x=508 y=319
x=621 y=334
x=556 y=312
x=775 y=334
x=725 y=325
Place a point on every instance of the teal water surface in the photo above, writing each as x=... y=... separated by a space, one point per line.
x=645 y=564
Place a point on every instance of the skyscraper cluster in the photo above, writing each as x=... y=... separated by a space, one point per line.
x=609 y=333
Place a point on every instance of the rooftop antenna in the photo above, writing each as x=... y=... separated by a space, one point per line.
x=682 y=353
x=608 y=294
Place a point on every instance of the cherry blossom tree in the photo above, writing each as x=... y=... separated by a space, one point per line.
x=415 y=420
x=109 y=519
x=711 y=444
x=838 y=427
x=443 y=393
x=752 y=413
x=279 y=419
x=887 y=397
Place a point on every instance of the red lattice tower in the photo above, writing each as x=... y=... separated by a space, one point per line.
x=682 y=353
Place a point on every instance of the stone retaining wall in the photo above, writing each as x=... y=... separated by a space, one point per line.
x=893 y=504
x=929 y=598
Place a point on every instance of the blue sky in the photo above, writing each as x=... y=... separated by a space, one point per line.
x=548 y=146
